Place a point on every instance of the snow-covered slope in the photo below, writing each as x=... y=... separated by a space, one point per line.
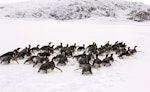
x=76 y=9
x=126 y=75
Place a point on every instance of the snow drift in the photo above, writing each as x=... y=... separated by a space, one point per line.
x=76 y=9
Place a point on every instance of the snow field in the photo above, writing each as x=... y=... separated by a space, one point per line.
x=130 y=74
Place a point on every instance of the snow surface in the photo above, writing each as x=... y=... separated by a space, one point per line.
x=126 y=75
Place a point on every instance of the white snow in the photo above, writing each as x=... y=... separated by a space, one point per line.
x=126 y=75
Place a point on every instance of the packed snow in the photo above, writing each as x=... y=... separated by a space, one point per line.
x=125 y=75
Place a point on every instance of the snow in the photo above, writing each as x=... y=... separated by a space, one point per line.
x=74 y=9
x=11 y=1
x=125 y=75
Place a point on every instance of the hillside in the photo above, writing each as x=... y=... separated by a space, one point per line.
x=77 y=9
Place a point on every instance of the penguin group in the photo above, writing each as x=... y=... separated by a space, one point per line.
x=87 y=57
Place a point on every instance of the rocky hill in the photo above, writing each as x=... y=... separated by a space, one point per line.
x=76 y=9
